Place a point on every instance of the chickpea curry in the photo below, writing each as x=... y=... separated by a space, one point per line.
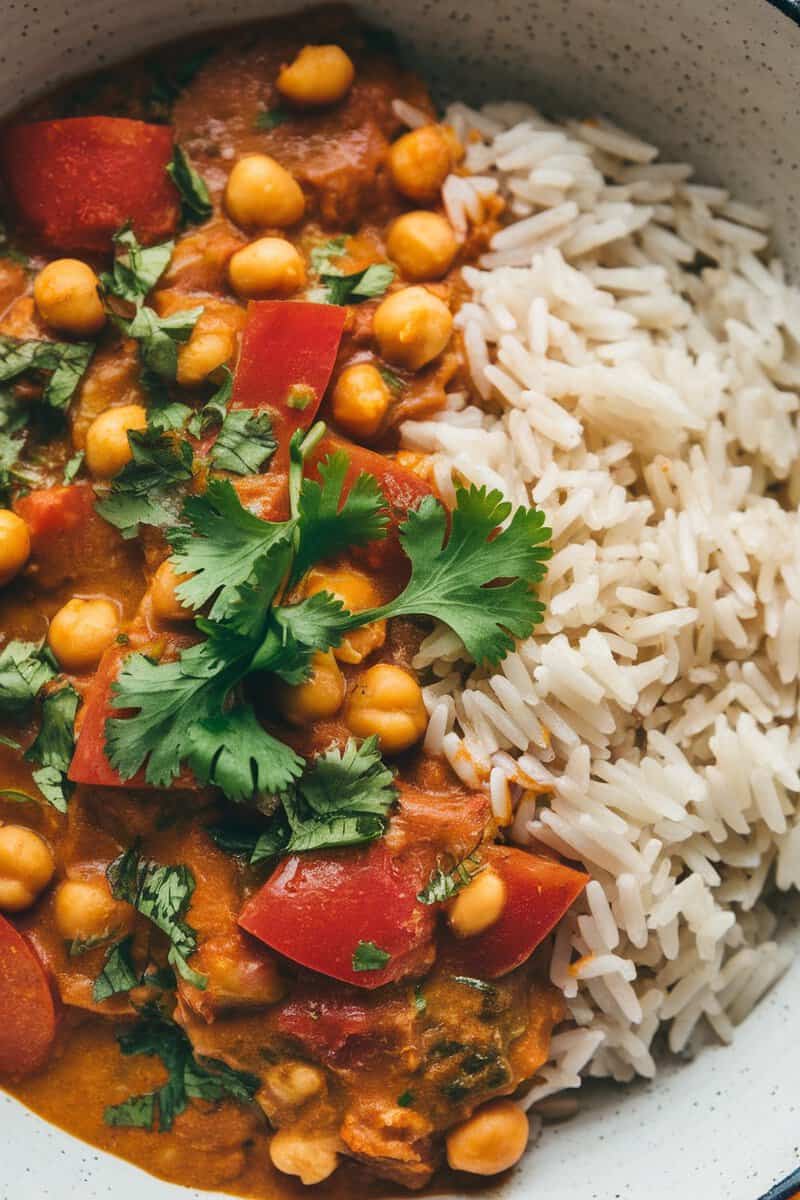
x=252 y=929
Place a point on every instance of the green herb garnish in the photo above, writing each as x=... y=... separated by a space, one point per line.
x=118 y=974
x=53 y=746
x=137 y=269
x=196 y=203
x=443 y=885
x=270 y=118
x=148 y=489
x=355 y=288
x=62 y=363
x=369 y=957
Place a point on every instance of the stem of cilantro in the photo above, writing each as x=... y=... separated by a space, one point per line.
x=299 y=449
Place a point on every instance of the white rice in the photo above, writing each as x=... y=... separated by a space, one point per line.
x=649 y=729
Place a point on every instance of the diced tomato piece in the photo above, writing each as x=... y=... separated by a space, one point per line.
x=538 y=893
x=56 y=511
x=27 y=1006
x=73 y=183
x=322 y=1023
x=317 y=908
x=288 y=354
x=89 y=762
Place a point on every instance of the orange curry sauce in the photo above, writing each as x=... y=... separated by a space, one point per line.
x=387 y=1073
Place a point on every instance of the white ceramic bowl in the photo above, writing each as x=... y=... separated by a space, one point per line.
x=719 y=84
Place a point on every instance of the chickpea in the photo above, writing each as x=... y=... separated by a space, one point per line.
x=80 y=631
x=85 y=910
x=270 y=266
x=387 y=701
x=260 y=192
x=422 y=244
x=26 y=867
x=292 y=1083
x=420 y=161
x=490 y=1141
x=319 y=697
x=167 y=606
x=107 y=445
x=311 y=1156
x=357 y=593
x=479 y=905
x=205 y=351
x=412 y=327
x=67 y=298
x=361 y=400
x=15 y=545
x=319 y=75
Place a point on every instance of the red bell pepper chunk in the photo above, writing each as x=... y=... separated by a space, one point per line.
x=74 y=182
x=538 y=893
x=28 y=1013
x=288 y=354
x=317 y=908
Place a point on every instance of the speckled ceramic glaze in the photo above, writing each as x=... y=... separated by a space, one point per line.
x=719 y=84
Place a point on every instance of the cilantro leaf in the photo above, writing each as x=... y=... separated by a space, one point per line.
x=169 y=699
x=443 y=885
x=24 y=668
x=136 y=268
x=455 y=579
x=357 y=287
x=195 y=201
x=118 y=974
x=245 y=443
x=214 y=410
x=295 y=631
x=72 y=466
x=63 y=362
x=369 y=957
x=147 y=490
x=159 y=337
x=233 y=752
x=327 y=525
x=53 y=746
x=322 y=256
x=394 y=382
x=188 y=1078
x=355 y=780
x=162 y=894
x=270 y=118
x=221 y=547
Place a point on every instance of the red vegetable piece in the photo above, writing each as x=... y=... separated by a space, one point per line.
x=73 y=183
x=538 y=893
x=317 y=908
x=56 y=512
x=89 y=762
x=27 y=1006
x=288 y=353
x=323 y=1024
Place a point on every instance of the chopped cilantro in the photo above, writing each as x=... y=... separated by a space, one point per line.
x=394 y=382
x=118 y=974
x=405 y=1100
x=233 y=752
x=355 y=288
x=148 y=489
x=195 y=201
x=64 y=364
x=214 y=410
x=479 y=985
x=245 y=443
x=136 y=268
x=322 y=256
x=73 y=466
x=455 y=578
x=420 y=1003
x=443 y=885
x=188 y=1078
x=270 y=118
x=24 y=668
x=329 y=525
x=53 y=746
x=161 y=894
x=222 y=546
x=369 y=957
x=159 y=337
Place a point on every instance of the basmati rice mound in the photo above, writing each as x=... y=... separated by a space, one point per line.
x=635 y=361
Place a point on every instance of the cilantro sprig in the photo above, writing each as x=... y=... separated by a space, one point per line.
x=189 y=1078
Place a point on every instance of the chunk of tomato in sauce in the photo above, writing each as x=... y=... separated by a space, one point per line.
x=539 y=891
x=73 y=183
x=28 y=1012
x=316 y=909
